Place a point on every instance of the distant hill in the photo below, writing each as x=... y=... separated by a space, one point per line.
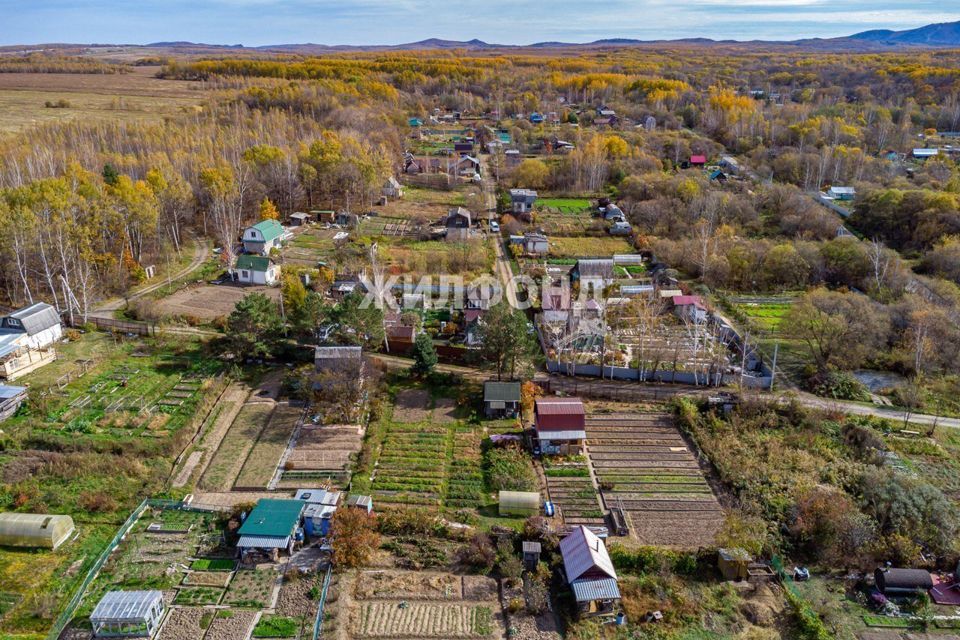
x=944 y=34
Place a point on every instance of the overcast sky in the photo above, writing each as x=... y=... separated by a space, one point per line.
x=259 y=22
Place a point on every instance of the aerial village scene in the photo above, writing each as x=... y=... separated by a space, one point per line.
x=528 y=344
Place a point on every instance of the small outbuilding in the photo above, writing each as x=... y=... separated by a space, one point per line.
x=501 y=399
x=11 y=398
x=338 y=358
x=128 y=614
x=361 y=502
x=902 y=582
x=300 y=219
x=519 y=503
x=251 y=269
x=34 y=530
x=590 y=573
x=531 y=554
x=734 y=563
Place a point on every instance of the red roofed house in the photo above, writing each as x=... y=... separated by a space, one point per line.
x=560 y=424
x=690 y=308
x=698 y=161
x=590 y=573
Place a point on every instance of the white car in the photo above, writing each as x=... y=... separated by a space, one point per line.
x=494 y=226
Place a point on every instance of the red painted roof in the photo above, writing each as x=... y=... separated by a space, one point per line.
x=698 y=159
x=559 y=414
x=683 y=301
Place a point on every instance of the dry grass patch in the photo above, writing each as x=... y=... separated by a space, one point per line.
x=262 y=461
x=229 y=457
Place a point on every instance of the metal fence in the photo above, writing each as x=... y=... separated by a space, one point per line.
x=125 y=326
x=71 y=609
x=67 y=614
x=318 y=622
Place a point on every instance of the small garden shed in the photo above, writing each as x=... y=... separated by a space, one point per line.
x=127 y=614
x=34 y=530
x=519 y=503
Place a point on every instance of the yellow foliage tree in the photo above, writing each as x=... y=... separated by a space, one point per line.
x=268 y=210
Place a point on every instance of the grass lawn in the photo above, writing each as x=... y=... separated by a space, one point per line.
x=213 y=564
x=565 y=205
x=272 y=626
x=588 y=247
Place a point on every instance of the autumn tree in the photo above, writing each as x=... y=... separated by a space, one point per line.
x=839 y=330
x=353 y=537
x=267 y=210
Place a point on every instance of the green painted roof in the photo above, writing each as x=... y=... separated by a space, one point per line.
x=502 y=391
x=270 y=229
x=273 y=518
x=253 y=263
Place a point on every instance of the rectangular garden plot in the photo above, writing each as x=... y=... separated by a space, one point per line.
x=232 y=452
x=643 y=465
x=424 y=620
x=262 y=461
x=251 y=589
x=321 y=454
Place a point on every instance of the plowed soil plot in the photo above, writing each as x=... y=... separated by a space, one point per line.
x=643 y=464
x=412 y=405
x=576 y=499
x=400 y=604
x=320 y=451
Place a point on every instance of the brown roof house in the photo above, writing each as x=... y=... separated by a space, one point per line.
x=590 y=573
x=560 y=424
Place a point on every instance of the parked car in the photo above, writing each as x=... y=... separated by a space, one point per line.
x=494 y=226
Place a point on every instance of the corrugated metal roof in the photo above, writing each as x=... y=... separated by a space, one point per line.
x=561 y=434
x=122 y=606
x=339 y=352
x=33 y=319
x=589 y=590
x=531 y=547
x=582 y=552
x=7 y=391
x=560 y=406
x=270 y=229
x=501 y=391
x=263 y=542
x=272 y=517
x=601 y=268
x=253 y=263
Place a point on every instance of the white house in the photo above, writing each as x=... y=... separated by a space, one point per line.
x=27 y=339
x=842 y=193
x=262 y=237
x=256 y=270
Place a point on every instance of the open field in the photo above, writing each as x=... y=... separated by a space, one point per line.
x=643 y=464
x=132 y=97
x=207 y=302
x=581 y=247
x=437 y=605
x=230 y=456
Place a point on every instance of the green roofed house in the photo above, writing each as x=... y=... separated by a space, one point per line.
x=272 y=525
x=262 y=237
x=256 y=270
x=501 y=399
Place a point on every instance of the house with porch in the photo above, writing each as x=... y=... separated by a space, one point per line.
x=27 y=339
x=501 y=399
x=272 y=527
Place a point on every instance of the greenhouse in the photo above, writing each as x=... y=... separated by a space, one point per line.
x=127 y=614
x=519 y=503
x=34 y=530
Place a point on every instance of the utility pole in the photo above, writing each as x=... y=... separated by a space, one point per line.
x=773 y=369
